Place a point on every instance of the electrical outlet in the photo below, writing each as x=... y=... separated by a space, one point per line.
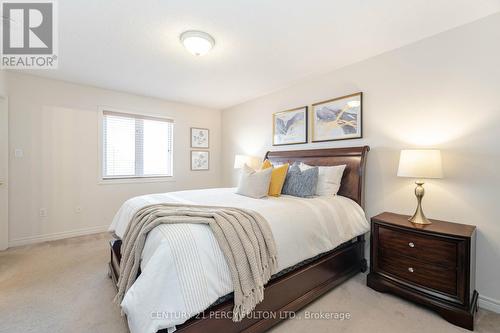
x=18 y=153
x=43 y=212
x=78 y=209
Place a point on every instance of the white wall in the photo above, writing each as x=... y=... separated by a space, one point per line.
x=441 y=92
x=2 y=82
x=55 y=123
x=4 y=166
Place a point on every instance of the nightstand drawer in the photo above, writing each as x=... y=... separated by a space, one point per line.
x=442 y=279
x=429 y=249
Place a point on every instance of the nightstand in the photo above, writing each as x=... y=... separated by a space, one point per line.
x=433 y=265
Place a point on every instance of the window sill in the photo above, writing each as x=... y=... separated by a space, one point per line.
x=138 y=180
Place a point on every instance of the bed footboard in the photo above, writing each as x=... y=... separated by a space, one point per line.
x=114 y=260
x=283 y=295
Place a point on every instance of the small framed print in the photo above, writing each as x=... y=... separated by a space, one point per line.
x=290 y=127
x=200 y=160
x=200 y=137
x=337 y=119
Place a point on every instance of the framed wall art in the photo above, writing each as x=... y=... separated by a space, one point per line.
x=200 y=137
x=200 y=160
x=290 y=127
x=337 y=119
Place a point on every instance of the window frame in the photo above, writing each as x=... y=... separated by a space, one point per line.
x=130 y=179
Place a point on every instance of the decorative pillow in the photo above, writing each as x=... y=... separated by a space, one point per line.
x=254 y=184
x=266 y=164
x=301 y=183
x=278 y=176
x=329 y=178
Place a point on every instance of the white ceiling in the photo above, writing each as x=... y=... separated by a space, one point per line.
x=261 y=45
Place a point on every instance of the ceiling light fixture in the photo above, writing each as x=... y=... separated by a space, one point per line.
x=197 y=42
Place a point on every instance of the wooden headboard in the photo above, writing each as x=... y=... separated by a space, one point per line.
x=353 y=157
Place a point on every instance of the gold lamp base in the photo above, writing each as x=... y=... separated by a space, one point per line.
x=419 y=217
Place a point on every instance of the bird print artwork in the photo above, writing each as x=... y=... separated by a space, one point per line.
x=283 y=126
x=337 y=119
x=290 y=126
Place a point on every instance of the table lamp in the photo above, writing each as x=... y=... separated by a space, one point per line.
x=240 y=160
x=420 y=164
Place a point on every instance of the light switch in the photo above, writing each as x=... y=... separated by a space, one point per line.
x=18 y=153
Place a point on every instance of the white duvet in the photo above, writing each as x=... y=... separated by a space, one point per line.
x=183 y=268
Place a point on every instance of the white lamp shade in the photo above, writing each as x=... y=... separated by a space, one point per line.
x=241 y=160
x=420 y=163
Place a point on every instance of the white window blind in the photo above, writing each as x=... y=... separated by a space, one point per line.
x=136 y=146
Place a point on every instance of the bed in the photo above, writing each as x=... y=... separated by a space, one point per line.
x=322 y=258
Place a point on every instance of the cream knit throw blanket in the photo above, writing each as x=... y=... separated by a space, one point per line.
x=244 y=237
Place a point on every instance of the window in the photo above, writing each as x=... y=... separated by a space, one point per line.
x=136 y=146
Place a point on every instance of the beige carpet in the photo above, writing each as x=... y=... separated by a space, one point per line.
x=62 y=286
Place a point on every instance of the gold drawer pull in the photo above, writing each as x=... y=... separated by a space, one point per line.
x=411 y=244
x=411 y=270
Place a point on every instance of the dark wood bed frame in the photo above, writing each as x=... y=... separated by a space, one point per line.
x=297 y=288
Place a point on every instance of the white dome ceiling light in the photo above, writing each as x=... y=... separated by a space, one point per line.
x=197 y=42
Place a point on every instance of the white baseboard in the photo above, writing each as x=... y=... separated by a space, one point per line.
x=57 y=235
x=489 y=303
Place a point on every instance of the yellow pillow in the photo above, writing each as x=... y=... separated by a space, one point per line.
x=278 y=176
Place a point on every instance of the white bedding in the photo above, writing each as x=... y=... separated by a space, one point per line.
x=183 y=268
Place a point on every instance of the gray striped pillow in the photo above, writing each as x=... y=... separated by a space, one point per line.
x=301 y=183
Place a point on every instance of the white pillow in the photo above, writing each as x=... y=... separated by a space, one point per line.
x=329 y=178
x=254 y=184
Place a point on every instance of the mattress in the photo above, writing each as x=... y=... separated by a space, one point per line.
x=183 y=270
